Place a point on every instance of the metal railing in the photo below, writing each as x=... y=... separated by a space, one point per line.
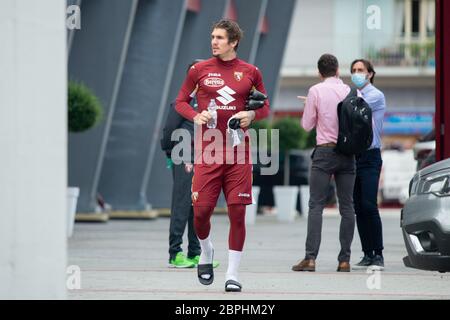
x=416 y=53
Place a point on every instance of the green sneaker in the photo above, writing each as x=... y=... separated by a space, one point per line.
x=196 y=259
x=181 y=261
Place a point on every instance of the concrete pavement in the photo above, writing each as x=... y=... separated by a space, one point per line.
x=127 y=259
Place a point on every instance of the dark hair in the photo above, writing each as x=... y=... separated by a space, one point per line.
x=328 y=65
x=194 y=62
x=232 y=28
x=368 y=65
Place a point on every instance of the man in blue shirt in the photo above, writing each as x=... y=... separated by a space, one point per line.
x=368 y=168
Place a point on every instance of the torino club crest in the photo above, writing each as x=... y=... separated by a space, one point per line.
x=238 y=75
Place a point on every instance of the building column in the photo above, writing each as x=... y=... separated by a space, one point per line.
x=423 y=14
x=33 y=142
x=408 y=29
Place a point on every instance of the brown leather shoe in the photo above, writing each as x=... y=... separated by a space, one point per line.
x=343 y=267
x=305 y=265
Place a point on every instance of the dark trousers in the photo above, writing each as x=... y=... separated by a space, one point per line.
x=325 y=163
x=182 y=213
x=368 y=168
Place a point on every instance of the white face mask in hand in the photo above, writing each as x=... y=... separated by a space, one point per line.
x=237 y=135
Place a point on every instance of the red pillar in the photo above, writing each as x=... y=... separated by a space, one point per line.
x=442 y=117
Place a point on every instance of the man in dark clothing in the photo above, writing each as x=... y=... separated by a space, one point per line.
x=181 y=209
x=368 y=169
x=182 y=212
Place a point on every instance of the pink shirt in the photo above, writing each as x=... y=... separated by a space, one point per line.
x=321 y=109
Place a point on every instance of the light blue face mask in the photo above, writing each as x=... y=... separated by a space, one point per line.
x=359 y=79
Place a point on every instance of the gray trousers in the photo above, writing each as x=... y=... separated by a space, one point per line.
x=327 y=162
x=182 y=213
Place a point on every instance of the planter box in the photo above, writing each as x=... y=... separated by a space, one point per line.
x=72 y=198
x=304 y=200
x=251 y=210
x=285 y=201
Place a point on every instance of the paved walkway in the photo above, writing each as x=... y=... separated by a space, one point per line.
x=125 y=259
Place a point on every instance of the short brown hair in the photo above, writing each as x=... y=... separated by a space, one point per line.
x=368 y=65
x=328 y=65
x=232 y=28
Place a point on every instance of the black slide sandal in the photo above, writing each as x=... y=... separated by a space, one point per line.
x=234 y=283
x=205 y=269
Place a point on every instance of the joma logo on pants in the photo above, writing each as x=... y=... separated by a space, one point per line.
x=245 y=195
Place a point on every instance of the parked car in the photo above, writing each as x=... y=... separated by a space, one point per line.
x=429 y=159
x=425 y=219
x=397 y=170
x=424 y=150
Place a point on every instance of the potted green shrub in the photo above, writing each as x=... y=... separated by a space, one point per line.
x=84 y=112
x=291 y=136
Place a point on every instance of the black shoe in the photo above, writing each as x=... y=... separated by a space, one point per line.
x=365 y=262
x=206 y=269
x=377 y=263
x=233 y=286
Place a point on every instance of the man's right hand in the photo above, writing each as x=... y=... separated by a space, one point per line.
x=202 y=118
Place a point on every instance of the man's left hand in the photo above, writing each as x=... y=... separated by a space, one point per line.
x=246 y=117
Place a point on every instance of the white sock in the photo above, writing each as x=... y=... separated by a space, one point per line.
x=234 y=258
x=206 y=255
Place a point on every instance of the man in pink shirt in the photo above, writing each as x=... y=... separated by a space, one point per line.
x=320 y=112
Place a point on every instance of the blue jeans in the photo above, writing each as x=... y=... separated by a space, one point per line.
x=368 y=168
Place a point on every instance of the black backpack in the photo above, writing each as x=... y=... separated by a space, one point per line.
x=355 y=125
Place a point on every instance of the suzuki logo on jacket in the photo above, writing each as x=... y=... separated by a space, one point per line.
x=226 y=95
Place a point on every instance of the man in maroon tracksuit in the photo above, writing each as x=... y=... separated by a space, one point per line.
x=227 y=81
